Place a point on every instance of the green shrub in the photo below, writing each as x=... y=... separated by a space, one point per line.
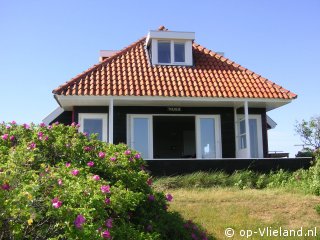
x=55 y=183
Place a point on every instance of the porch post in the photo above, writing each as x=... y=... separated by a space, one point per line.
x=111 y=121
x=236 y=129
x=246 y=116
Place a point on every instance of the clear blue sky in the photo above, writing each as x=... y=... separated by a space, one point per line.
x=45 y=43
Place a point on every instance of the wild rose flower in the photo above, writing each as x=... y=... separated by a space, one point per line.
x=151 y=198
x=46 y=138
x=32 y=146
x=109 y=223
x=60 y=181
x=149 y=181
x=169 y=197
x=5 y=186
x=106 y=234
x=13 y=122
x=49 y=127
x=105 y=188
x=90 y=164
x=102 y=155
x=107 y=201
x=130 y=159
x=40 y=135
x=78 y=125
x=56 y=203
x=96 y=177
x=137 y=156
x=26 y=126
x=68 y=164
x=85 y=134
x=112 y=159
x=8 y=127
x=149 y=228
x=12 y=138
x=73 y=124
x=5 y=136
x=75 y=172
x=127 y=152
x=87 y=148
x=42 y=124
x=79 y=221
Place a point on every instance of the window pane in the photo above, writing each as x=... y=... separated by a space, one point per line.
x=243 y=142
x=164 y=55
x=242 y=127
x=253 y=138
x=141 y=136
x=179 y=52
x=208 y=144
x=93 y=126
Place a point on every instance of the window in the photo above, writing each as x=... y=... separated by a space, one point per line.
x=242 y=135
x=165 y=48
x=164 y=52
x=179 y=52
x=94 y=123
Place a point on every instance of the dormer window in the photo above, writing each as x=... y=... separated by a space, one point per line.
x=170 y=48
x=166 y=47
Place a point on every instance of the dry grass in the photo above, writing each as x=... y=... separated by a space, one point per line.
x=217 y=208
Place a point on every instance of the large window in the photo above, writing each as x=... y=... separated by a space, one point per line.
x=165 y=50
x=94 y=123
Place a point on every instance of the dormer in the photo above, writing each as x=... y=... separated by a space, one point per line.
x=170 y=47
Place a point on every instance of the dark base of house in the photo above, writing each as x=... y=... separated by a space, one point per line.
x=166 y=167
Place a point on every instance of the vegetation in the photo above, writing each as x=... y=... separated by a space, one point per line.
x=55 y=183
x=309 y=132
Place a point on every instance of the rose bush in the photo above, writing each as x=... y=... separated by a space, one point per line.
x=56 y=183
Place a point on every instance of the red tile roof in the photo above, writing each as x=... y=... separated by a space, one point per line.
x=129 y=73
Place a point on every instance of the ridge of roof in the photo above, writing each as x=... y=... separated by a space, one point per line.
x=95 y=66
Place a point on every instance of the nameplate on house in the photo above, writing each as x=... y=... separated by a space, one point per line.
x=174 y=109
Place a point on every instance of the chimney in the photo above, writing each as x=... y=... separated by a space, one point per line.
x=104 y=54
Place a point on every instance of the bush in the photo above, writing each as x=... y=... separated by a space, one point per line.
x=55 y=183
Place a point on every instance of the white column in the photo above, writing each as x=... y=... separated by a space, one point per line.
x=246 y=117
x=111 y=121
x=236 y=130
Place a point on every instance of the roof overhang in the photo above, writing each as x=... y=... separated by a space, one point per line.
x=67 y=102
x=53 y=115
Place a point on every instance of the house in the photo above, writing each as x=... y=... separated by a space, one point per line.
x=171 y=98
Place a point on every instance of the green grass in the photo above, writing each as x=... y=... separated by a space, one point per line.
x=219 y=208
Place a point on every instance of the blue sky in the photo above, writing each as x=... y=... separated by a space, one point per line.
x=45 y=43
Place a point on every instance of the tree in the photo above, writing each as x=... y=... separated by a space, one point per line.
x=309 y=132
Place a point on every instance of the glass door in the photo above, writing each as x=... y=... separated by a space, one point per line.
x=141 y=135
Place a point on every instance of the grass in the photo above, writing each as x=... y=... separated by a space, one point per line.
x=219 y=208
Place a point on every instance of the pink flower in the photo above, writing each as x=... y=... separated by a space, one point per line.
x=56 y=203
x=75 y=172
x=46 y=138
x=112 y=159
x=127 y=152
x=8 y=127
x=5 y=186
x=96 y=177
x=105 y=188
x=149 y=228
x=73 y=124
x=32 y=146
x=102 y=155
x=87 y=148
x=5 y=136
x=109 y=223
x=169 y=197
x=106 y=234
x=60 y=181
x=13 y=122
x=68 y=164
x=137 y=156
x=40 y=134
x=90 y=164
x=49 y=127
x=151 y=198
x=12 y=138
x=149 y=181
x=79 y=221
x=26 y=126
x=42 y=124
x=107 y=201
